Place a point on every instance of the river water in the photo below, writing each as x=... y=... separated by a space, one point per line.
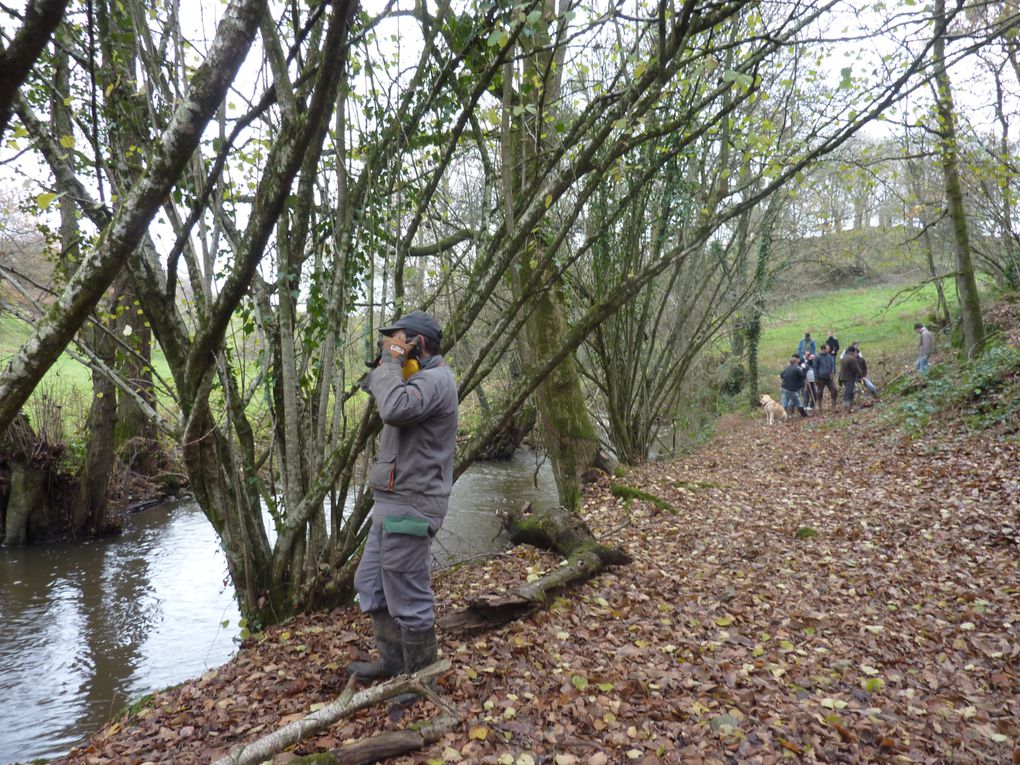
x=87 y=628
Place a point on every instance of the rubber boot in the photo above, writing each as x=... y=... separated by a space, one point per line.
x=391 y=655
x=803 y=412
x=420 y=650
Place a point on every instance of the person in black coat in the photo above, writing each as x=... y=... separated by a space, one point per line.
x=792 y=376
x=833 y=344
x=825 y=370
x=864 y=372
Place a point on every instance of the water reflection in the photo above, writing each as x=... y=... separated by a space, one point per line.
x=84 y=629
x=472 y=526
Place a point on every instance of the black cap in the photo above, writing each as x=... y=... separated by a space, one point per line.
x=414 y=324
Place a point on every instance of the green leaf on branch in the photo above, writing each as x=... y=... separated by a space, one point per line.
x=45 y=199
x=741 y=79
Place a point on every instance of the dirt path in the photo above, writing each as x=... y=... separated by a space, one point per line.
x=827 y=591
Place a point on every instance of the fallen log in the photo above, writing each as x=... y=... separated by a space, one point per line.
x=393 y=743
x=555 y=529
x=349 y=702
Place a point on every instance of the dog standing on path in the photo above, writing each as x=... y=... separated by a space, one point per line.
x=772 y=409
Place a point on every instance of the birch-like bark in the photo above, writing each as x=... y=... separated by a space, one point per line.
x=349 y=702
x=40 y=21
x=126 y=230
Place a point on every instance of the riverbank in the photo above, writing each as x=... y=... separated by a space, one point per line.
x=830 y=589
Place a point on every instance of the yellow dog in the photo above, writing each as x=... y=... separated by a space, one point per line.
x=772 y=409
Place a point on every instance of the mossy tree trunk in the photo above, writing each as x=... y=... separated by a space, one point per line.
x=966 y=284
x=126 y=116
x=569 y=435
x=759 y=286
x=568 y=431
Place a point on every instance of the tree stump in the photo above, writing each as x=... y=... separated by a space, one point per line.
x=33 y=491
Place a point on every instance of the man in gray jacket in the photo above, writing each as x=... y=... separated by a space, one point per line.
x=924 y=347
x=411 y=481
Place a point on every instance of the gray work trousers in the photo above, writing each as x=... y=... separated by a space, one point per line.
x=395 y=571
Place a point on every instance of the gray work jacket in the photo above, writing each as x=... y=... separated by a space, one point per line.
x=414 y=464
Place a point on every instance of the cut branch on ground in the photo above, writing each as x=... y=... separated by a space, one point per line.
x=349 y=702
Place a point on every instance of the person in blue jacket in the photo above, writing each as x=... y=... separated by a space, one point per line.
x=805 y=346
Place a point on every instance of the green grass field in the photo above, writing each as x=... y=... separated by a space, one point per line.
x=879 y=318
x=66 y=371
x=68 y=382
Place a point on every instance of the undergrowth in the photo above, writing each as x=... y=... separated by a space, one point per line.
x=982 y=393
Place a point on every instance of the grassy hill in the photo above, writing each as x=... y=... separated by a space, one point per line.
x=880 y=318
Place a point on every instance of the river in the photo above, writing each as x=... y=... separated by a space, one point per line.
x=87 y=628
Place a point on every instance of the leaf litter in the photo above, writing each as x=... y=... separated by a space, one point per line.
x=889 y=634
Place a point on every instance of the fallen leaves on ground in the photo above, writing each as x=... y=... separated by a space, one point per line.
x=890 y=633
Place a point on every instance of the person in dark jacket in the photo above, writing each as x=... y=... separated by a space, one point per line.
x=825 y=370
x=849 y=374
x=833 y=344
x=792 y=377
x=411 y=482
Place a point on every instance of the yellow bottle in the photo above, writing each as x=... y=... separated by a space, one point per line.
x=411 y=367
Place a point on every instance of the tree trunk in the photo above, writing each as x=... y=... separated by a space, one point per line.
x=232 y=504
x=569 y=435
x=752 y=323
x=89 y=511
x=127 y=128
x=40 y=19
x=966 y=284
x=137 y=439
x=89 y=514
x=26 y=495
x=34 y=493
x=941 y=306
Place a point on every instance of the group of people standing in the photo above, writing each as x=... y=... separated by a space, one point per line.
x=807 y=376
